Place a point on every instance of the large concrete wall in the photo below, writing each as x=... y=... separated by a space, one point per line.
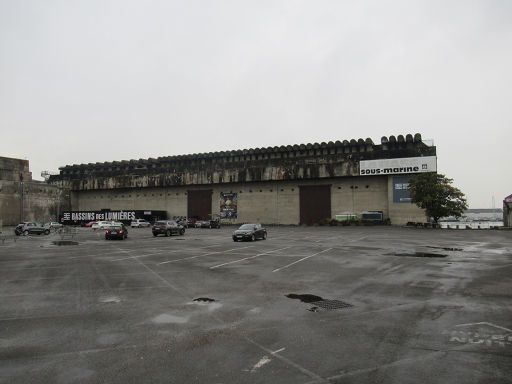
x=291 y=163
x=24 y=199
x=270 y=203
x=267 y=180
x=401 y=213
x=507 y=213
x=14 y=169
x=41 y=202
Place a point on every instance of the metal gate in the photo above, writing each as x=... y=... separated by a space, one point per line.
x=315 y=203
x=199 y=204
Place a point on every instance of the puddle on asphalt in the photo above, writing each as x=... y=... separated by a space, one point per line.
x=64 y=242
x=305 y=298
x=446 y=248
x=204 y=300
x=211 y=304
x=417 y=254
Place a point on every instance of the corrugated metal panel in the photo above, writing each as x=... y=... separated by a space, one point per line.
x=315 y=203
x=199 y=204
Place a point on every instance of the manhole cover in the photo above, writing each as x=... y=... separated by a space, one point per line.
x=319 y=302
x=331 y=305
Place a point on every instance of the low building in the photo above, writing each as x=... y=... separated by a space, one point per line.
x=294 y=184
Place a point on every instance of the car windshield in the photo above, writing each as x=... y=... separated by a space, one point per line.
x=247 y=226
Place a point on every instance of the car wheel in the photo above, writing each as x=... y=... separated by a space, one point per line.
x=168 y=233
x=25 y=233
x=106 y=237
x=182 y=232
x=235 y=240
x=264 y=236
x=47 y=232
x=253 y=238
x=154 y=234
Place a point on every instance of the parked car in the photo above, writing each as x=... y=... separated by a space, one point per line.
x=203 y=224
x=167 y=228
x=102 y=224
x=31 y=228
x=116 y=231
x=139 y=223
x=53 y=225
x=90 y=224
x=191 y=222
x=250 y=232
x=215 y=223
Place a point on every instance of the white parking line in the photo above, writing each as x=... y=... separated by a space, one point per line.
x=298 y=261
x=248 y=258
x=206 y=254
x=162 y=252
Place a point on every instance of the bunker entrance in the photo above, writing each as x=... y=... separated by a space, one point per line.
x=199 y=204
x=315 y=203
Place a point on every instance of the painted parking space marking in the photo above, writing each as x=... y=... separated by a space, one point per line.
x=163 y=252
x=482 y=334
x=298 y=261
x=206 y=254
x=248 y=258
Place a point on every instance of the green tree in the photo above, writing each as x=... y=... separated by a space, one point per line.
x=436 y=194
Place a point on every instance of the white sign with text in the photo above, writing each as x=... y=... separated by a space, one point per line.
x=398 y=166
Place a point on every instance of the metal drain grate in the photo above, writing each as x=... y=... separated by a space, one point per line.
x=331 y=305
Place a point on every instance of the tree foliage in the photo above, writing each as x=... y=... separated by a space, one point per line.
x=436 y=194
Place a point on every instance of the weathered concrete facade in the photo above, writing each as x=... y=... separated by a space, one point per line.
x=507 y=211
x=267 y=180
x=24 y=199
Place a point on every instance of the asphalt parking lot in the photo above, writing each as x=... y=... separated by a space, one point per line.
x=307 y=305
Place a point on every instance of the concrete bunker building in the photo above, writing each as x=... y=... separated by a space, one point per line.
x=22 y=198
x=294 y=184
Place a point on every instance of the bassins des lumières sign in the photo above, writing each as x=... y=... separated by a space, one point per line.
x=398 y=166
x=75 y=217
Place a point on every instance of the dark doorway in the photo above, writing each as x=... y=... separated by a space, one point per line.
x=199 y=204
x=315 y=203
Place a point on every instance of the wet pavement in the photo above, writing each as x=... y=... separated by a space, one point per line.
x=307 y=305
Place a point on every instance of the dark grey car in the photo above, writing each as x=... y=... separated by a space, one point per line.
x=31 y=228
x=250 y=232
x=167 y=228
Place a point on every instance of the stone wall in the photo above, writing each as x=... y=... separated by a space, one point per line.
x=267 y=180
x=24 y=199
x=507 y=212
x=41 y=202
x=269 y=203
x=286 y=163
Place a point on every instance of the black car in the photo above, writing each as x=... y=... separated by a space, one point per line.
x=215 y=223
x=31 y=228
x=167 y=228
x=250 y=232
x=116 y=232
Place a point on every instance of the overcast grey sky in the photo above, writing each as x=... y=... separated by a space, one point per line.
x=97 y=80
